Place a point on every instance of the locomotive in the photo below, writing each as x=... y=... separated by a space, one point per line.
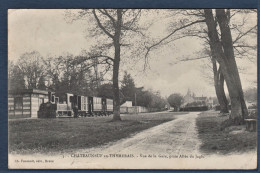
x=86 y=105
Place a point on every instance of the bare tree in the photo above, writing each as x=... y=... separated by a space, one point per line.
x=223 y=51
x=219 y=37
x=15 y=77
x=219 y=87
x=212 y=71
x=32 y=67
x=64 y=75
x=115 y=26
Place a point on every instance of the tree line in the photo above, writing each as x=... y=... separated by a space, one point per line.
x=61 y=75
x=139 y=96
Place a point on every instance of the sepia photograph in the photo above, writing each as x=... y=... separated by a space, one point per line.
x=132 y=89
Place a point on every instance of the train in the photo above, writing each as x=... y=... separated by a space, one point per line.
x=65 y=105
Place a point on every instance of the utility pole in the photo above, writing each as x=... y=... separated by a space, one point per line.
x=135 y=105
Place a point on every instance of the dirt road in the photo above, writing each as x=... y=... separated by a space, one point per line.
x=175 y=145
x=171 y=145
x=176 y=137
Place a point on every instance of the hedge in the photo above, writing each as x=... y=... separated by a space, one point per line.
x=197 y=108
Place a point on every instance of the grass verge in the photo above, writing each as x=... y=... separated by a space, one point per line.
x=218 y=140
x=60 y=135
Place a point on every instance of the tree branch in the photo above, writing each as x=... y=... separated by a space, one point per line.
x=108 y=15
x=243 y=34
x=165 y=38
x=134 y=19
x=99 y=56
x=245 y=46
x=100 y=25
x=191 y=59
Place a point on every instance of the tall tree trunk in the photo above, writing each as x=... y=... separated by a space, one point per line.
x=227 y=42
x=224 y=53
x=237 y=115
x=222 y=92
x=219 y=87
x=116 y=106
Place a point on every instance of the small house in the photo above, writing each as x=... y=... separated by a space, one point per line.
x=25 y=103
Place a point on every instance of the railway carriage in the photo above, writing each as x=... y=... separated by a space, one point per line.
x=34 y=103
x=109 y=105
x=97 y=106
x=82 y=104
x=86 y=105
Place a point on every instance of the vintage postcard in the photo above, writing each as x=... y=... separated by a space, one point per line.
x=132 y=89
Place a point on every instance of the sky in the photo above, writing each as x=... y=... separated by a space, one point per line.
x=47 y=32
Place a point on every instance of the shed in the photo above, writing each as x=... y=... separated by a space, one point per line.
x=124 y=107
x=25 y=103
x=127 y=104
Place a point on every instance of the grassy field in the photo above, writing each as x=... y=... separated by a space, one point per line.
x=65 y=134
x=216 y=139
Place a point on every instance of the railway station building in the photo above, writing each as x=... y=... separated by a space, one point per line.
x=25 y=103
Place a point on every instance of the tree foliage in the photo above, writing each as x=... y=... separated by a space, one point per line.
x=128 y=88
x=149 y=99
x=105 y=90
x=251 y=94
x=15 y=77
x=175 y=100
x=41 y=85
x=66 y=76
x=32 y=67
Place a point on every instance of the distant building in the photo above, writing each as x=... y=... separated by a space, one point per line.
x=191 y=97
x=128 y=108
x=127 y=104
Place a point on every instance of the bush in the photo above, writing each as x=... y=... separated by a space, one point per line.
x=47 y=110
x=217 y=107
x=198 y=108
